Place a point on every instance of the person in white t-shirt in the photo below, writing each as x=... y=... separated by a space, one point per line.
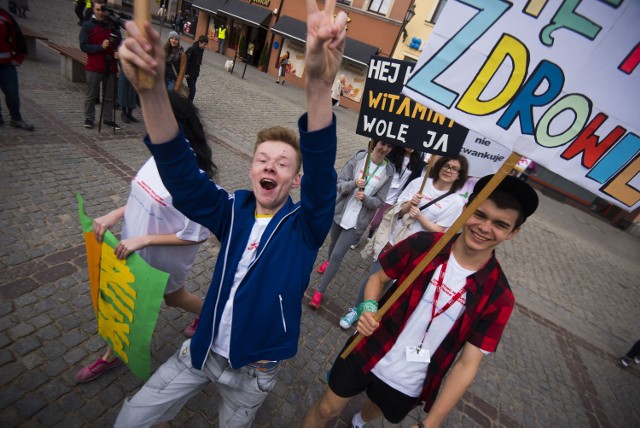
x=428 y=346
x=161 y=234
x=410 y=164
x=357 y=201
x=433 y=210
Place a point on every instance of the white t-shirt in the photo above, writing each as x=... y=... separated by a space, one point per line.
x=150 y=211
x=376 y=177
x=444 y=212
x=223 y=340
x=394 y=369
x=399 y=179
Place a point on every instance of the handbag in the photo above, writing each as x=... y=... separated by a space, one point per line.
x=184 y=88
x=383 y=234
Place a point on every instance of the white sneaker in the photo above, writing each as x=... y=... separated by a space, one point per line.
x=349 y=318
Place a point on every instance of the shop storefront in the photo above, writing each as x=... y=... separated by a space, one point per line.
x=247 y=26
x=291 y=35
x=189 y=22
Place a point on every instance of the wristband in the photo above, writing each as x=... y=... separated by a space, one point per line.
x=367 y=306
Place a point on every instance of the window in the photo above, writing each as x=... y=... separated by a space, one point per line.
x=380 y=6
x=438 y=11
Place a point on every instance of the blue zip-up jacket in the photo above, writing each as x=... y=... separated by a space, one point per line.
x=267 y=305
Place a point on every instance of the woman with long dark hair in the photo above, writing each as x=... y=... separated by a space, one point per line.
x=153 y=227
x=176 y=62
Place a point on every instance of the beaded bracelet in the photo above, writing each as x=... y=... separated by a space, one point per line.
x=367 y=306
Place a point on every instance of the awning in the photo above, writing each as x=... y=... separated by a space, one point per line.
x=354 y=51
x=210 y=6
x=359 y=52
x=291 y=28
x=248 y=13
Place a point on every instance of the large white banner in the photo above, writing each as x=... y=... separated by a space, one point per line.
x=556 y=81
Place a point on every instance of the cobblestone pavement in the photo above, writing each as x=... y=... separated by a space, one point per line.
x=576 y=279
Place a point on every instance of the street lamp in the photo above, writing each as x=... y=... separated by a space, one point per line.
x=411 y=12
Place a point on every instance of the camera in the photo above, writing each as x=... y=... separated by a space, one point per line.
x=115 y=19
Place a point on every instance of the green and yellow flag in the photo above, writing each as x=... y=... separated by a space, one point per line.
x=126 y=296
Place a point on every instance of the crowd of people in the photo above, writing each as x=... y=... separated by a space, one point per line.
x=426 y=349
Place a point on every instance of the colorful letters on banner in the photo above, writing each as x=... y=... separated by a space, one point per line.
x=554 y=80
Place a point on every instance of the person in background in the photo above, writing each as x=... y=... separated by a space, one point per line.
x=357 y=201
x=194 y=61
x=13 y=51
x=23 y=7
x=157 y=231
x=176 y=62
x=632 y=356
x=222 y=38
x=99 y=45
x=78 y=8
x=127 y=99
x=336 y=90
x=282 y=69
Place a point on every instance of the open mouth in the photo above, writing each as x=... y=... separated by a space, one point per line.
x=267 y=184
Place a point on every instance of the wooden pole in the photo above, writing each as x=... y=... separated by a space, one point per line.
x=141 y=15
x=471 y=208
x=430 y=165
x=366 y=161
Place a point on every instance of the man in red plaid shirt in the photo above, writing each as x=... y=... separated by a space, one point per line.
x=404 y=358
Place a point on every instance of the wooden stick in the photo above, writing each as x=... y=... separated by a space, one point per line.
x=141 y=15
x=506 y=167
x=430 y=165
x=366 y=161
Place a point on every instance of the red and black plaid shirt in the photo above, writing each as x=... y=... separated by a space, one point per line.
x=489 y=303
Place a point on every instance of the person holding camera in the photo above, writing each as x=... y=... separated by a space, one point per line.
x=100 y=41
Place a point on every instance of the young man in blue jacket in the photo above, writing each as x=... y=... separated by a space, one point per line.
x=251 y=315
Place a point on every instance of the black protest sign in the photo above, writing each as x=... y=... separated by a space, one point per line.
x=387 y=115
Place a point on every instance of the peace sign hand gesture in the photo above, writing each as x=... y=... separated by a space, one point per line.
x=325 y=41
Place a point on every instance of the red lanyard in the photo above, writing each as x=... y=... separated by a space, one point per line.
x=434 y=310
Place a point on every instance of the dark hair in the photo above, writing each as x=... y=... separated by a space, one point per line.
x=505 y=201
x=396 y=156
x=462 y=174
x=203 y=39
x=282 y=134
x=189 y=119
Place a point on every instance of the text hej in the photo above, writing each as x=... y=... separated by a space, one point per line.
x=402 y=107
x=609 y=160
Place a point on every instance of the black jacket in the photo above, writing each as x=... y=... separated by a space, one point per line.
x=194 y=60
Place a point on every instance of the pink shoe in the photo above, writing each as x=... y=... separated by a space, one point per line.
x=323 y=267
x=315 y=300
x=96 y=369
x=190 y=330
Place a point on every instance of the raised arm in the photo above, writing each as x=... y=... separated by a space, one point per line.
x=325 y=45
x=143 y=49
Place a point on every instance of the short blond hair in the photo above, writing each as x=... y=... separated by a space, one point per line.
x=285 y=135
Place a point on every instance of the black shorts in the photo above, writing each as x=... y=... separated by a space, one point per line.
x=347 y=380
